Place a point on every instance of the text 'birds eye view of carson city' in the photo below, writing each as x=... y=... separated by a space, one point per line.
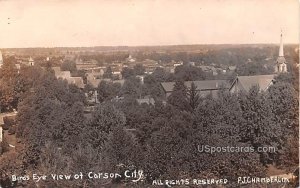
x=149 y=94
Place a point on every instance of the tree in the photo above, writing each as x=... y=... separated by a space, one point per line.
x=289 y=154
x=253 y=68
x=108 y=90
x=68 y=66
x=8 y=70
x=285 y=78
x=189 y=73
x=103 y=120
x=120 y=149
x=284 y=102
x=159 y=74
x=127 y=72
x=28 y=77
x=8 y=85
x=153 y=87
x=289 y=78
x=72 y=126
x=74 y=95
x=226 y=164
x=194 y=96
x=52 y=111
x=8 y=97
x=168 y=148
x=179 y=96
x=132 y=87
x=82 y=158
x=217 y=124
x=139 y=69
x=108 y=73
x=259 y=127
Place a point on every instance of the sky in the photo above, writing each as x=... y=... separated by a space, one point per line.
x=59 y=23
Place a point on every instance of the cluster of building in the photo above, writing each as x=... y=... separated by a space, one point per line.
x=240 y=83
x=20 y=61
x=217 y=70
x=212 y=87
x=24 y=61
x=95 y=73
x=66 y=75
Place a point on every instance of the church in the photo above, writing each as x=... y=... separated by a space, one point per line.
x=244 y=83
x=240 y=83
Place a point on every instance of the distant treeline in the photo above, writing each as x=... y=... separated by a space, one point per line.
x=196 y=53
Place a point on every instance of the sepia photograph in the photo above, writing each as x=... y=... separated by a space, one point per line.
x=149 y=93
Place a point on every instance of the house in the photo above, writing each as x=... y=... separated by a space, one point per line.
x=149 y=70
x=78 y=81
x=203 y=87
x=130 y=59
x=244 y=83
x=18 y=66
x=69 y=57
x=150 y=65
x=30 y=62
x=25 y=61
x=214 y=71
x=66 y=75
x=146 y=100
x=92 y=97
x=191 y=63
x=96 y=70
x=232 y=68
x=93 y=80
x=86 y=65
x=62 y=74
x=141 y=78
x=176 y=64
x=117 y=75
x=206 y=68
x=169 y=69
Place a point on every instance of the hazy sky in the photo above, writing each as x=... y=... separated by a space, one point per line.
x=49 y=23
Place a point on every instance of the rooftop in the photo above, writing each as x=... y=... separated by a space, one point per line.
x=201 y=85
x=263 y=81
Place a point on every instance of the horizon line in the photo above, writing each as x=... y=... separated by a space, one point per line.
x=163 y=45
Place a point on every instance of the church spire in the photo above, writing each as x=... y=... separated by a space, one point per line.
x=281 y=46
x=281 y=63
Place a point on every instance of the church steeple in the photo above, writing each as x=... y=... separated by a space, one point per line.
x=281 y=63
x=281 y=46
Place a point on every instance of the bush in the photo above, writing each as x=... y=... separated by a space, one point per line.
x=9 y=121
